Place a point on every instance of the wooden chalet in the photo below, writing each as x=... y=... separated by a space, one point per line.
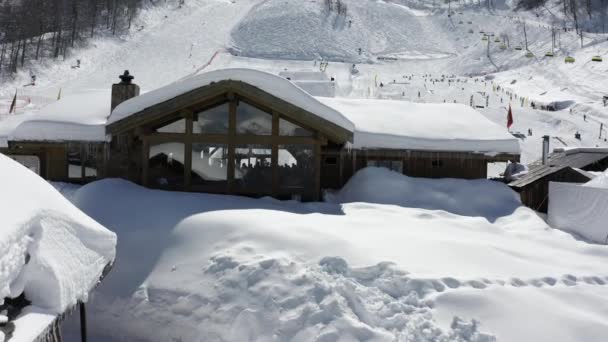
x=241 y=132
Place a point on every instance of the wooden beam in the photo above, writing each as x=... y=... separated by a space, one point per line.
x=275 y=155
x=231 y=145
x=188 y=152
x=145 y=156
x=317 y=190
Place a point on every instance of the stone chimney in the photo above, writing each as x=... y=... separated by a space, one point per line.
x=124 y=90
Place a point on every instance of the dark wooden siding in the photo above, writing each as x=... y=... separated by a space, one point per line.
x=536 y=194
x=424 y=164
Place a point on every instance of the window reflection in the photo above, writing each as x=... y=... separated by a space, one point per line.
x=212 y=121
x=253 y=121
x=288 y=129
x=166 y=165
x=209 y=164
x=296 y=167
x=253 y=169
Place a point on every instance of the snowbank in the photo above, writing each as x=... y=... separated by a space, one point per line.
x=225 y=268
x=601 y=181
x=270 y=83
x=483 y=198
x=418 y=126
x=49 y=250
x=580 y=209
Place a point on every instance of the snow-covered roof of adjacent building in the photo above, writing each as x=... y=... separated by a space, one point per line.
x=421 y=126
x=75 y=117
x=270 y=83
x=50 y=251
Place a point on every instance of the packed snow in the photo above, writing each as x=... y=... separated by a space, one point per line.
x=49 y=250
x=438 y=127
x=370 y=264
x=580 y=209
x=600 y=181
x=389 y=257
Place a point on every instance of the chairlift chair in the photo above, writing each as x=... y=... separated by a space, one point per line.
x=518 y=48
x=549 y=54
x=597 y=59
x=529 y=54
x=569 y=59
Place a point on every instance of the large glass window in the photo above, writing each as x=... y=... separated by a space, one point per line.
x=178 y=126
x=31 y=162
x=90 y=162
x=253 y=169
x=209 y=164
x=253 y=121
x=296 y=167
x=166 y=165
x=75 y=162
x=289 y=129
x=213 y=120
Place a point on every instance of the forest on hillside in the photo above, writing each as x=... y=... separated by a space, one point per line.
x=35 y=29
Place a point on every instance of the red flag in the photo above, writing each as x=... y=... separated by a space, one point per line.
x=13 y=104
x=509 y=118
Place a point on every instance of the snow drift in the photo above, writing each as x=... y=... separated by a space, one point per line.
x=49 y=250
x=226 y=268
x=483 y=198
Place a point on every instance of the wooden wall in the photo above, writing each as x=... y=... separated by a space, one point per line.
x=338 y=165
x=536 y=194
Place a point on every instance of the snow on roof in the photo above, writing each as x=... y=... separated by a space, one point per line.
x=270 y=83
x=418 y=126
x=67 y=250
x=76 y=117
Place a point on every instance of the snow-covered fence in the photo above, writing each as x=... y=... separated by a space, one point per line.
x=579 y=209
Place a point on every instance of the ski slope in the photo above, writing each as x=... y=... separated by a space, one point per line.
x=396 y=38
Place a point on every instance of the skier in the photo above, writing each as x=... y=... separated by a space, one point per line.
x=585 y=117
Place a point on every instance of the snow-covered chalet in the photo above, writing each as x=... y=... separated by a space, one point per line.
x=248 y=132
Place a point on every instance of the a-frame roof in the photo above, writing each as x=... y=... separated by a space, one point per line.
x=269 y=90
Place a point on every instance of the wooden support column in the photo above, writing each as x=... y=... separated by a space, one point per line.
x=275 y=155
x=145 y=156
x=83 y=322
x=231 y=141
x=188 y=151
x=341 y=166
x=317 y=189
x=83 y=158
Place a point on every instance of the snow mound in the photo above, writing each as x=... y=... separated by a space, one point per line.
x=483 y=198
x=307 y=30
x=601 y=181
x=49 y=250
x=227 y=268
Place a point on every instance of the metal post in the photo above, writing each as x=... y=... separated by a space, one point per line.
x=83 y=322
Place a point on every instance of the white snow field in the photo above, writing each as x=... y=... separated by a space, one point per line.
x=457 y=261
x=49 y=250
x=397 y=38
x=388 y=258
